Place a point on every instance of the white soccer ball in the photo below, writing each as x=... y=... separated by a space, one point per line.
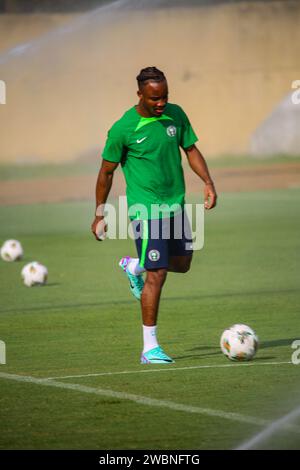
x=11 y=250
x=239 y=343
x=34 y=274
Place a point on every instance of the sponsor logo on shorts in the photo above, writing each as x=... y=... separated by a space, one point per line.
x=171 y=131
x=154 y=255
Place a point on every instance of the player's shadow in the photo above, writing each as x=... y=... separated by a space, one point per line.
x=231 y=294
x=215 y=353
x=277 y=342
x=196 y=352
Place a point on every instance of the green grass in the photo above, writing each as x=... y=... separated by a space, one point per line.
x=45 y=170
x=230 y=161
x=85 y=322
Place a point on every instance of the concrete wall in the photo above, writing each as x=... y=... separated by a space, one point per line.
x=227 y=65
x=280 y=132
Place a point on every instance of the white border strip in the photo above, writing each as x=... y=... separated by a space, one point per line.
x=168 y=368
x=142 y=400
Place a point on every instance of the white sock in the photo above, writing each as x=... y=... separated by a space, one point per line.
x=150 y=341
x=134 y=268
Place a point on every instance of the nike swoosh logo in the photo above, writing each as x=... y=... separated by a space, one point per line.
x=141 y=140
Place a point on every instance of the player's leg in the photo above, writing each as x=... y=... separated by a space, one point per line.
x=153 y=255
x=152 y=352
x=155 y=280
x=133 y=267
x=134 y=271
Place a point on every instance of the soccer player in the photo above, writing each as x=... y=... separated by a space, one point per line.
x=146 y=141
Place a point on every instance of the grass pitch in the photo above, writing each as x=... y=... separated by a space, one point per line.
x=31 y=171
x=86 y=322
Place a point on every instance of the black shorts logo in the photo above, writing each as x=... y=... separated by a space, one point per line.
x=154 y=255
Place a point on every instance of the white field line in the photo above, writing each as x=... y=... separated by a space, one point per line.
x=142 y=400
x=168 y=369
x=270 y=430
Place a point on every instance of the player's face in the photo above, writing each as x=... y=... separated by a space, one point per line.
x=153 y=98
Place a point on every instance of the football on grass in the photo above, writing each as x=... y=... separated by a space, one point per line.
x=11 y=250
x=239 y=343
x=34 y=274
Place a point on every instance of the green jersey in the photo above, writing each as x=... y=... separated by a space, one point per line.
x=149 y=152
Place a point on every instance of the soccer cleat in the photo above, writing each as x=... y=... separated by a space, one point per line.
x=156 y=356
x=136 y=283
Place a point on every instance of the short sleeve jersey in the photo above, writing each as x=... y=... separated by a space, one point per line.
x=149 y=152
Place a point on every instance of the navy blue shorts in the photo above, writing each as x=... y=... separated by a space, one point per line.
x=158 y=239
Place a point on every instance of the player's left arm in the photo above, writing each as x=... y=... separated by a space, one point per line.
x=199 y=166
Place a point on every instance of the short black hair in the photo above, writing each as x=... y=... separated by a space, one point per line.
x=150 y=74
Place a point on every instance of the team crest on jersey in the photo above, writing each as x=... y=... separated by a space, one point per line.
x=154 y=255
x=171 y=131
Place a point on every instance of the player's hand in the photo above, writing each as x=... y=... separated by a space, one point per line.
x=99 y=228
x=210 y=196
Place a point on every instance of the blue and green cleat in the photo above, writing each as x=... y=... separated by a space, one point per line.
x=136 y=283
x=156 y=356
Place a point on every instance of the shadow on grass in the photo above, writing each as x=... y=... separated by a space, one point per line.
x=232 y=294
x=196 y=352
x=198 y=356
x=263 y=345
x=217 y=353
x=122 y=301
x=277 y=342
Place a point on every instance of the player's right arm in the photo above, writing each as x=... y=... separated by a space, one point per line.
x=103 y=186
x=112 y=155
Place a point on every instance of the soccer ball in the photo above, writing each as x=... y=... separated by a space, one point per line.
x=11 y=250
x=239 y=343
x=34 y=274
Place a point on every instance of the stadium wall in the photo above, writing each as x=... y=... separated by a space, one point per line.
x=228 y=66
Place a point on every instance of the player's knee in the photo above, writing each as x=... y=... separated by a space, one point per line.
x=157 y=277
x=161 y=276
